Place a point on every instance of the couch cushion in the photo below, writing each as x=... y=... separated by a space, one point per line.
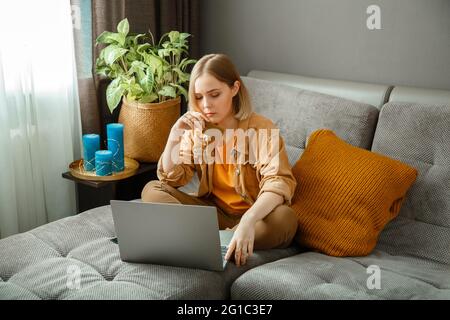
x=419 y=135
x=44 y=262
x=297 y=113
x=346 y=195
x=317 y=276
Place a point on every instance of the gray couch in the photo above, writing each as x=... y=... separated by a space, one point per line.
x=412 y=254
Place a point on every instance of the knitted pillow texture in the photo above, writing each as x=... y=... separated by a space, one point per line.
x=346 y=195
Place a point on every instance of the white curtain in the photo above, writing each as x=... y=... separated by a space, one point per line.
x=39 y=113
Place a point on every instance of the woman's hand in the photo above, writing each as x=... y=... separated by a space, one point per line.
x=191 y=120
x=242 y=242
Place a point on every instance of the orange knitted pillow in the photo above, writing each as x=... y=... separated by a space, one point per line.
x=345 y=195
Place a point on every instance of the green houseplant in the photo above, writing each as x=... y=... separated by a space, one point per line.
x=149 y=79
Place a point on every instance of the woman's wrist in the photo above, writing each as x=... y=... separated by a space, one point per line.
x=249 y=217
x=265 y=203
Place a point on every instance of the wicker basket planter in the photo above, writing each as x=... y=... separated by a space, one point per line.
x=147 y=127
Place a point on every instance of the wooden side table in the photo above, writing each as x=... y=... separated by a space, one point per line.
x=92 y=194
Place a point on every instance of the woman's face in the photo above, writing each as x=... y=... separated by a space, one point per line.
x=214 y=98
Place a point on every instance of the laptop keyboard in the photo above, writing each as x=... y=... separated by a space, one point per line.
x=223 y=251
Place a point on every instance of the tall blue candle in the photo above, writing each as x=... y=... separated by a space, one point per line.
x=103 y=163
x=91 y=143
x=114 y=132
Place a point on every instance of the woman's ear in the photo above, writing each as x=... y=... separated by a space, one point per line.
x=236 y=87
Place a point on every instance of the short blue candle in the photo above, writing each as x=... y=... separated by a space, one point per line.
x=103 y=162
x=91 y=143
x=114 y=132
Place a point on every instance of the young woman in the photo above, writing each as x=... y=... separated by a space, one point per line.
x=252 y=196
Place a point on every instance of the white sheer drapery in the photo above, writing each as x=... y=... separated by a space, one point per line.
x=39 y=113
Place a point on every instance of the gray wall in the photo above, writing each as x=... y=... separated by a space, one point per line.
x=329 y=39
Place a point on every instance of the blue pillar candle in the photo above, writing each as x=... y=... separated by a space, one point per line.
x=103 y=163
x=114 y=132
x=91 y=143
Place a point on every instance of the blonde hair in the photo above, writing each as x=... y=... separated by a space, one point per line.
x=221 y=67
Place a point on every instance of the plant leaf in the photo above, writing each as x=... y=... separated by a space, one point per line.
x=133 y=39
x=117 y=37
x=104 y=37
x=155 y=62
x=112 y=53
x=142 y=48
x=167 y=91
x=111 y=38
x=123 y=27
x=135 y=91
x=100 y=62
x=182 y=76
x=184 y=36
x=103 y=70
x=184 y=63
x=138 y=65
x=114 y=93
x=167 y=76
x=148 y=81
x=164 y=53
x=183 y=50
x=183 y=91
x=165 y=35
x=174 y=36
x=132 y=56
x=115 y=71
x=148 y=98
x=138 y=69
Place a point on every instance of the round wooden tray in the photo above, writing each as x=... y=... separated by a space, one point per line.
x=77 y=170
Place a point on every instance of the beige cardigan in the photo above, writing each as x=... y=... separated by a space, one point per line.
x=272 y=171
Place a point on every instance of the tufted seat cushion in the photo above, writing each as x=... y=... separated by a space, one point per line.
x=311 y=276
x=42 y=263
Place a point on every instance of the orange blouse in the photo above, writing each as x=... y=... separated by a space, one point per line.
x=223 y=190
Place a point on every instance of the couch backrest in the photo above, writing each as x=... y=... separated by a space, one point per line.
x=420 y=95
x=419 y=134
x=368 y=93
x=299 y=112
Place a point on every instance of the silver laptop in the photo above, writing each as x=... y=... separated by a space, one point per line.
x=170 y=234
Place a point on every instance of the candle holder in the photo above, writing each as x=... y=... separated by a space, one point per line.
x=77 y=170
